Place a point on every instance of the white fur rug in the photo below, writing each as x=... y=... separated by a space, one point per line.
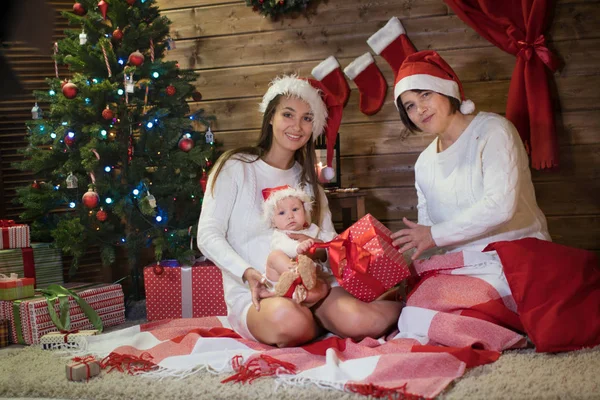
x=29 y=372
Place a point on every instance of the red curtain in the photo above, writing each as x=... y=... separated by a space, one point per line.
x=517 y=27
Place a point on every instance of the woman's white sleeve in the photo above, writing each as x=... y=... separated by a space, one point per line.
x=422 y=213
x=216 y=211
x=500 y=171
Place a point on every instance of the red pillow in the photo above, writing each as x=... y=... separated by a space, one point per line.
x=557 y=291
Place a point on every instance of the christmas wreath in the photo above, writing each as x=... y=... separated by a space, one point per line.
x=274 y=8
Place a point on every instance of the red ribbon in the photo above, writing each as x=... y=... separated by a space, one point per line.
x=5 y=223
x=67 y=333
x=79 y=361
x=539 y=46
x=28 y=263
x=345 y=253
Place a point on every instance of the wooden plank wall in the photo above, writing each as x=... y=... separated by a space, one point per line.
x=237 y=52
x=33 y=66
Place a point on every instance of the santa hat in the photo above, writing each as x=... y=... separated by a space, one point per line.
x=272 y=196
x=427 y=70
x=326 y=109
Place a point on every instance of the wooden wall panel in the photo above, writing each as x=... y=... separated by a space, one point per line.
x=237 y=52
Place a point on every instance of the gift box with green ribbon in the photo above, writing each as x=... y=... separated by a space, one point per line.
x=12 y=287
x=58 y=308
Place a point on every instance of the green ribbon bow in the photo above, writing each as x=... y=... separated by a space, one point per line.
x=53 y=293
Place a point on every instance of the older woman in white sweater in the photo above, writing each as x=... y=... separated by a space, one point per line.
x=233 y=235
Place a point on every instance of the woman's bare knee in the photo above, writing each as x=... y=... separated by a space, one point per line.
x=282 y=323
x=346 y=316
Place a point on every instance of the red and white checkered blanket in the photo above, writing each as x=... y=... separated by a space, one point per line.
x=459 y=316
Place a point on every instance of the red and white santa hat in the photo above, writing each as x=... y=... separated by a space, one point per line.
x=427 y=70
x=273 y=195
x=326 y=109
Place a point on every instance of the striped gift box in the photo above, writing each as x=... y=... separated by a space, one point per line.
x=40 y=261
x=12 y=235
x=33 y=317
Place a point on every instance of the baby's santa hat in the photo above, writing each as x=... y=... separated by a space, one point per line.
x=326 y=109
x=427 y=70
x=273 y=195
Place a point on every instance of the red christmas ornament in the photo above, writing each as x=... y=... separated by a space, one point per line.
x=103 y=7
x=107 y=114
x=208 y=164
x=70 y=90
x=197 y=96
x=131 y=2
x=203 y=181
x=101 y=215
x=170 y=90
x=136 y=58
x=117 y=34
x=186 y=144
x=69 y=141
x=158 y=269
x=35 y=185
x=90 y=199
x=79 y=9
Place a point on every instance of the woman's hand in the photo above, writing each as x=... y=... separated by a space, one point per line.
x=258 y=286
x=415 y=236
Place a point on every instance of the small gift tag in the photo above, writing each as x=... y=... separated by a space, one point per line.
x=130 y=87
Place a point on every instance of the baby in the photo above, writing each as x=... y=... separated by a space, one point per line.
x=289 y=265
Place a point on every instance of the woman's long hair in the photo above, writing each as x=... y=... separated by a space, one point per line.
x=305 y=156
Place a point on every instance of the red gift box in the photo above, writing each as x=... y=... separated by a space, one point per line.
x=30 y=318
x=13 y=235
x=364 y=261
x=175 y=291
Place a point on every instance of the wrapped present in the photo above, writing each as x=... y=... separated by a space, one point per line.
x=72 y=339
x=364 y=261
x=4 y=327
x=12 y=287
x=57 y=308
x=175 y=291
x=40 y=262
x=82 y=368
x=13 y=235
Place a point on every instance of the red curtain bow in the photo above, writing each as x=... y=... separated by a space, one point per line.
x=517 y=27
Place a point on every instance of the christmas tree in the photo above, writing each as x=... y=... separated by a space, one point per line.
x=120 y=161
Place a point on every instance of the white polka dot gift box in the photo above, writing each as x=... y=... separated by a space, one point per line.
x=175 y=291
x=364 y=261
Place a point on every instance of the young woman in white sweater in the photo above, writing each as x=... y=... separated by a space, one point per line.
x=232 y=233
x=473 y=181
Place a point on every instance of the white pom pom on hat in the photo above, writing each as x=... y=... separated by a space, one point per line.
x=427 y=70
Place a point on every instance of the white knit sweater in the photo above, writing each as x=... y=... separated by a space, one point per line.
x=478 y=190
x=231 y=230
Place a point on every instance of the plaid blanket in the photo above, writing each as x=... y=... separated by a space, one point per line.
x=459 y=316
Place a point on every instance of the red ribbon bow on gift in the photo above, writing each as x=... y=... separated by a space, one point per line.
x=67 y=333
x=344 y=253
x=79 y=361
x=5 y=223
x=539 y=46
